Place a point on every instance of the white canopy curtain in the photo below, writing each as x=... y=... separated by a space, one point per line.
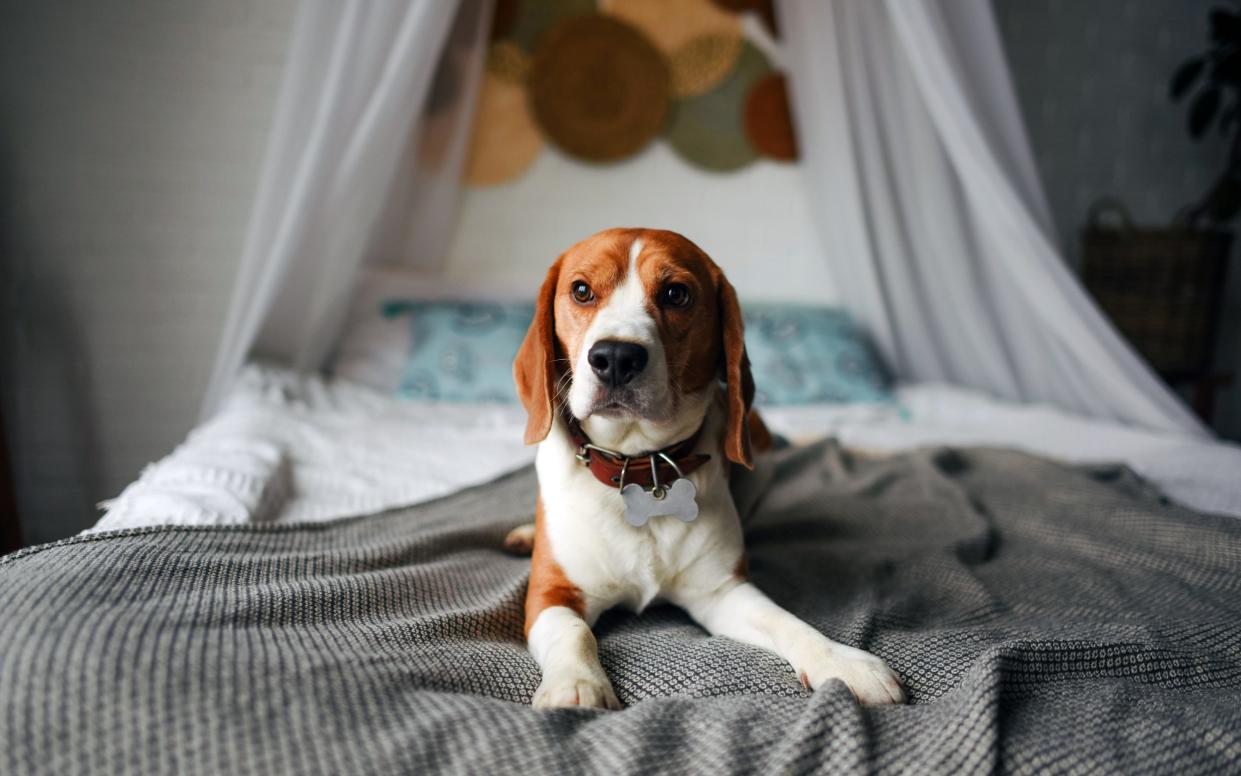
x=347 y=152
x=933 y=216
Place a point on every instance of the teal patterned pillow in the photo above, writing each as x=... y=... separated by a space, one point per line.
x=810 y=355
x=463 y=351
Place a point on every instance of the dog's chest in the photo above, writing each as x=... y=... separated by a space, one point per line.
x=610 y=561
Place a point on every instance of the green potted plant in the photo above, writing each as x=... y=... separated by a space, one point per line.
x=1162 y=285
x=1213 y=79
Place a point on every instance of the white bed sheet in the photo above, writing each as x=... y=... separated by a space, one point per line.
x=291 y=448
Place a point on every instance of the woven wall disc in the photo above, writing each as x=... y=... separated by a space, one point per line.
x=508 y=62
x=505 y=139
x=701 y=64
x=707 y=130
x=670 y=24
x=598 y=89
x=768 y=123
x=538 y=16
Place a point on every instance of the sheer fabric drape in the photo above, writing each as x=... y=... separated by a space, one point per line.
x=932 y=214
x=376 y=98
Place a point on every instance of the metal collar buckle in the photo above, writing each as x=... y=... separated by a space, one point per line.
x=658 y=489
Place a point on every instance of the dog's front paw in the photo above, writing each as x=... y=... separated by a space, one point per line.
x=867 y=677
x=574 y=689
x=520 y=540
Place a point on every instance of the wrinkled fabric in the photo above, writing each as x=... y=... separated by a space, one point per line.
x=1043 y=617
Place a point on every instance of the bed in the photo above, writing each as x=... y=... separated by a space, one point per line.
x=313 y=582
x=292 y=448
x=310 y=583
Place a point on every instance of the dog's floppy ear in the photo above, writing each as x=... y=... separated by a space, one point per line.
x=534 y=369
x=737 y=375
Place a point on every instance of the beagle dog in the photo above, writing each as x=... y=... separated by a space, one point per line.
x=620 y=374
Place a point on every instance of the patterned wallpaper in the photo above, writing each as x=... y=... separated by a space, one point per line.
x=1092 y=79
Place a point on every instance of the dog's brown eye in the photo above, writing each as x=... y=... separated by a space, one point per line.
x=676 y=295
x=582 y=293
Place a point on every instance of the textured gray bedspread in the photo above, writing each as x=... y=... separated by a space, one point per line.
x=1045 y=618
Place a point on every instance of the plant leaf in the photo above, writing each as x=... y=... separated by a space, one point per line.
x=1228 y=69
x=1225 y=25
x=1202 y=111
x=1225 y=201
x=1227 y=119
x=1185 y=76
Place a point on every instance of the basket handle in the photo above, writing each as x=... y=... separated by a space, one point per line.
x=1104 y=206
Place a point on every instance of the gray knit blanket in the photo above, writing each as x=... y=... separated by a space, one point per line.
x=1045 y=619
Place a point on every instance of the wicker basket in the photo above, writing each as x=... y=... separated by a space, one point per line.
x=1160 y=286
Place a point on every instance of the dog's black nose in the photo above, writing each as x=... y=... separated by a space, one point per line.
x=616 y=362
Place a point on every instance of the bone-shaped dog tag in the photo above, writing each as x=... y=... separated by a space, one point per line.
x=679 y=501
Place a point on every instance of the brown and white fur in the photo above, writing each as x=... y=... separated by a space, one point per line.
x=586 y=558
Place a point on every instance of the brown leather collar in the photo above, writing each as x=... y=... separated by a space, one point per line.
x=608 y=466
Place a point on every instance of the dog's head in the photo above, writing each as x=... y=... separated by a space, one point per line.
x=638 y=324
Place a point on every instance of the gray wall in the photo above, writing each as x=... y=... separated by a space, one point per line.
x=1092 y=78
x=129 y=147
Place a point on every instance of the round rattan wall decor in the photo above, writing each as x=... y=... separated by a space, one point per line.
x=670 y=24
x=508 y=62
x=598 y=88
x=702 y=63
x=768 y=123
x=707 y=131
x=505 y=139
x=534 y=17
